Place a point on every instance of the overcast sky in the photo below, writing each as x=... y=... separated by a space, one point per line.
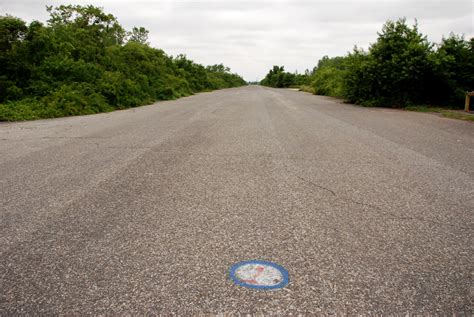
x=251 y=36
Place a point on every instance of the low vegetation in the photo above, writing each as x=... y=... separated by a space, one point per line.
x=448 y=113
x=279 y=78
x=82 y=61
x=401 y=69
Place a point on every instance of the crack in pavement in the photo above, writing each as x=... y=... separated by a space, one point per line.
x=318 y=186
x=387 y=213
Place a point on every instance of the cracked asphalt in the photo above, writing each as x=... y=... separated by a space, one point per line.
x=143 y=211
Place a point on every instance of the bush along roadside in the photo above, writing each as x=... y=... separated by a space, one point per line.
x=82 y=62
x=401 y=69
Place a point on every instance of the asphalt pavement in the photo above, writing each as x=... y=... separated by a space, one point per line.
x=145 y=210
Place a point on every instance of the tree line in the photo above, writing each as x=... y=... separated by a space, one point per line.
x=277 y=77
x=82 y=61
x=402 y=68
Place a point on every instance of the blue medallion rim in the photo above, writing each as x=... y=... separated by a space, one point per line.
x=285 y=277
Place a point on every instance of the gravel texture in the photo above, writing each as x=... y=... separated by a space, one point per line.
x=145 y=210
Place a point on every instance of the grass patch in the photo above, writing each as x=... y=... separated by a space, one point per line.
x=424 y=109
x=306 y=88
x=458 y=115
x=448 y=113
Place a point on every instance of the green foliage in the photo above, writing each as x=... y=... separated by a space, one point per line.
x=448 y=113
x=84 y=62
x=454 y=68
x=306 y=88
x=12 y=33
x=278 y=78
x=85 y=25
x=328 y=76
x=401 y=69
x=74 y=99
x=25 y=109
x=220 y=76
x=139 y=35
x=356 y=73
x=398 y=70
x=328 y=81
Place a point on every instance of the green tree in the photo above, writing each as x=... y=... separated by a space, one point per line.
x=81 y=63
x=14 y=67
x=139 y=35
x=102 y=29
x=396 y=71
x=328 y=76
x=277 y=77
x=454 y=69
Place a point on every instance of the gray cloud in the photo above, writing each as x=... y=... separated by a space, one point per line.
x=251 y=36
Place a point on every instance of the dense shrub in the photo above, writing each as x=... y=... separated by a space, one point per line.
x=328 y=75
x=82 y=62
x=278 y=78
x=453 y=70
x=400 y=69
x=397 y=70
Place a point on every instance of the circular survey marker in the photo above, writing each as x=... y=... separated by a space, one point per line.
x=259 y=274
